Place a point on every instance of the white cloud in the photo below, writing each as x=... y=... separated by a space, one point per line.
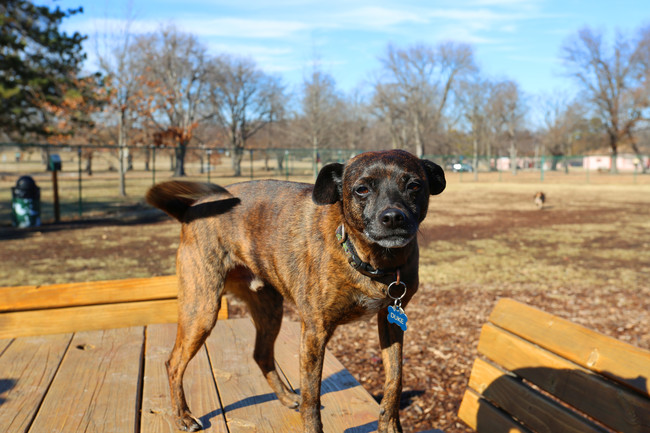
x=242 y=27
x=377 y=17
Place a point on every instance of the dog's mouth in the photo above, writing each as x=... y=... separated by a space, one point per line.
x=393 y=240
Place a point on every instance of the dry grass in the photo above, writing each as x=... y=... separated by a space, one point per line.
x=476 y=234
x=490 y=235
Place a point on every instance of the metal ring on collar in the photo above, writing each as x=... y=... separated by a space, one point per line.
x=395 y=283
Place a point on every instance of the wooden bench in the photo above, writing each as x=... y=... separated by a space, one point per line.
x=90 y=357
x=539 y=373
x=59 y=308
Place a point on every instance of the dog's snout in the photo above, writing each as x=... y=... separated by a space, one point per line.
x=392 y=218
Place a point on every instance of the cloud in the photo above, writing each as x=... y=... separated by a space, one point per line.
x=243 y=27
x=377 y=17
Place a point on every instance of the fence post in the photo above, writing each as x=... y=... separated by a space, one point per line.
x=541 y=169
x=80 y=188
x=209 y=157
x=153 y=164
x=286 y=163
x=251 y=151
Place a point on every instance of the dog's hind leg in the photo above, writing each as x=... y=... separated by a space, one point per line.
x=198 y=307
x=265 y=306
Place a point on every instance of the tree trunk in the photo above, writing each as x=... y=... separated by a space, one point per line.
x=513 y=157
x=475 y=161
x=89 y=163
x=419 y=146
x=180 y=159
x=613 y=144
x=237 y=156
x=121 y=146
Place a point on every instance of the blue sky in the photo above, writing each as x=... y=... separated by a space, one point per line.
x=512 y=39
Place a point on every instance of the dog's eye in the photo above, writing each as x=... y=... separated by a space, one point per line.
x=362 y=191
x=414 y=186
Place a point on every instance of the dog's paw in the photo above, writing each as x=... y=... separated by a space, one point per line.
x=389 y=424
x=290 y=399
x=391 y=428
x=188 y=423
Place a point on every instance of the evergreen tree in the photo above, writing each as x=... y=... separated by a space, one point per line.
x=38 y=65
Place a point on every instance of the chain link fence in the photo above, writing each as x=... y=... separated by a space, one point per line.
x=88 y=182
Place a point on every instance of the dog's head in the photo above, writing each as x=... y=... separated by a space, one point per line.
x=384 y=195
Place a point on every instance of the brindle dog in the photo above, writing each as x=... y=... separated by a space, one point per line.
x=332 y=249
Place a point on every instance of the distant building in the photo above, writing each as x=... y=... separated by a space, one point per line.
x=624 y=162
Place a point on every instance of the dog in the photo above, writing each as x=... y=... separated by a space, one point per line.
x=539 y=198
x=341 y=250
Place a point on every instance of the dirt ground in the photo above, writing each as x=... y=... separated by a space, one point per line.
x=586 y=257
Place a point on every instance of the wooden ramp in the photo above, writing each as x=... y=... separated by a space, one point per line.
x=114 y=381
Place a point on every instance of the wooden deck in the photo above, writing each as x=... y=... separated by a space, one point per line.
x=114 y=381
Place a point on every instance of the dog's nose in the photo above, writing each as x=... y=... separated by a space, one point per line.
x=392 y=218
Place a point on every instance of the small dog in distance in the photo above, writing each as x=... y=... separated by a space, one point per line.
x=539 y=200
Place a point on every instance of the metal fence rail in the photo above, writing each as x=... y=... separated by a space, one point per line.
x=88 y=183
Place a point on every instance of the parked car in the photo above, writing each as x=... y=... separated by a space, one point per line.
x=461 y=167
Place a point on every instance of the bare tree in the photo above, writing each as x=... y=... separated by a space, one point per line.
x=243 y=100
x=417 y=85
x=563 y=121
x=507 y=113
x=319 y=104
x=614 y=81
x=117 y=63
x=473 y=97
x=388 y=107
x=173 y=76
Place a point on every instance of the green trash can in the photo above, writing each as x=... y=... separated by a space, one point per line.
x=26 y=203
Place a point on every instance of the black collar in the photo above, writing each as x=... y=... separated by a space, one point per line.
x=354 y=259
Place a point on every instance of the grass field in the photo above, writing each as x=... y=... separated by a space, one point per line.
x=476 y=233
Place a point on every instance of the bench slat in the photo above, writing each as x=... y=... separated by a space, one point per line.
x=619 y=361
x=475 y=411
x=94 y=390
x=249 y=402
x=199 y=387
x=87 y=293
x=26 y=369
x=92 y=317
x=567 y=381
x=61 y=308
x=533 y=409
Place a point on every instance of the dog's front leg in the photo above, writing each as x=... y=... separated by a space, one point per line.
x=312 y=352
x=391 y=338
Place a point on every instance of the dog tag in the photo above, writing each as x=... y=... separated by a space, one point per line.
x=397 y=316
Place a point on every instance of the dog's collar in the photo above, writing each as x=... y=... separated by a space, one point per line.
x=354 y=259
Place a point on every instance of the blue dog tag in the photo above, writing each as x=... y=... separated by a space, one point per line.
x=397 y=316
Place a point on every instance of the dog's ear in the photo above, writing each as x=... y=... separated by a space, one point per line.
x=328 y=187
x=436 y=177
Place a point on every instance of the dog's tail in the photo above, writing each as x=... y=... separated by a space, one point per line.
x=176 y=197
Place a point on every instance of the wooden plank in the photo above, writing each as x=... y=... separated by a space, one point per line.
x=199 y=386
x=87 y=293
x=4 y=344
x=347 y=406
x=97 y=386
x=93 y=317
x=620 y=409
x=619 y=361
x=531 y=408
x=248 y=401
x=26 y=370
x=483 y=417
